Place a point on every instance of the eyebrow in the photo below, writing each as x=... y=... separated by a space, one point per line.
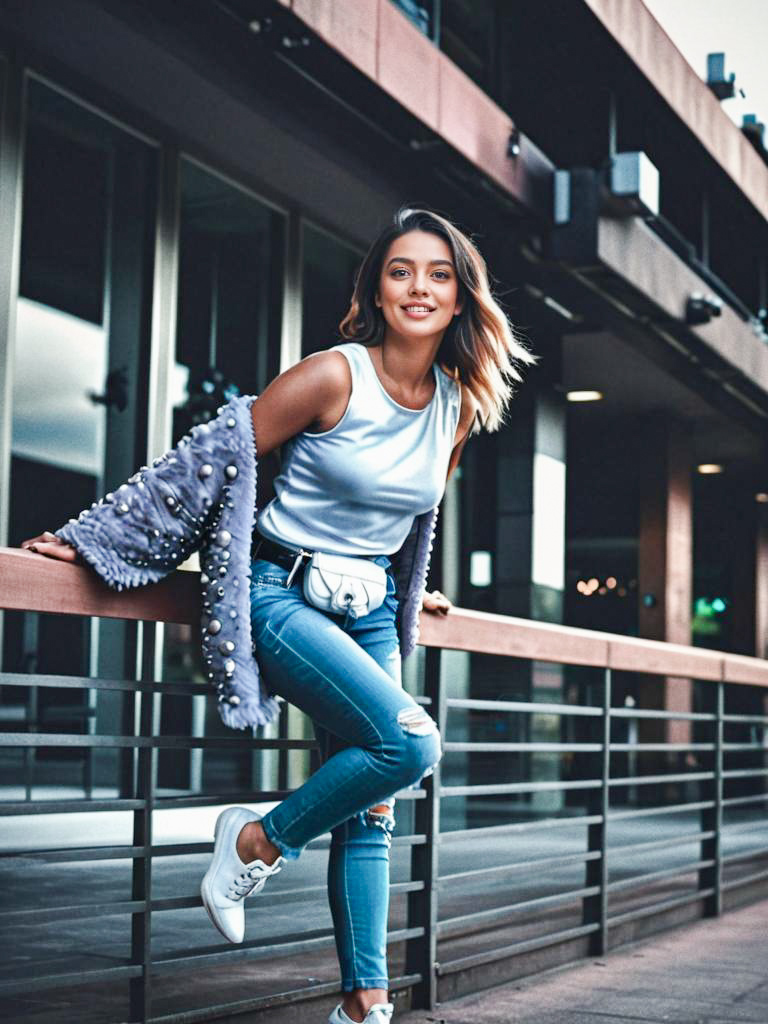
x=404 y=259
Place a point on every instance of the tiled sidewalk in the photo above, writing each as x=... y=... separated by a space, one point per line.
x=711 y=972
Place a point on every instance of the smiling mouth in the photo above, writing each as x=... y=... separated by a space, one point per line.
x=418 y=309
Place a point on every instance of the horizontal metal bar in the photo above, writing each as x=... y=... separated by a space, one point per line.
x=670 y=747
x=168 y=803
x=76 y=912
x=518 y=826
x=516 y=949
x=756 y=876
x=264 y=950
x=90 y=683
x=275 y=999
x=503 y=788
x=516 y=868
x=262 y=796
x=35 y=982
x=746 y=773
x=470 y=704
x=737 y=801
x=17 y=807
x=276 y=898
x=659 y=908
x=645 y=812
x=649 y=780
x=530 y=748
x=656 y=876
x=686 y=716
x=754 y=719
x=56 y=739
x=756 y=747
x=660 y=844
x=62 y=855
x=753 y=854
x=495 y=916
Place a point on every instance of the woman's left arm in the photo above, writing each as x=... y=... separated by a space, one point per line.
x=436 y=601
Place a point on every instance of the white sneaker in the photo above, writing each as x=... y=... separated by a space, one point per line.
x=379 y=1013
x=228 y=880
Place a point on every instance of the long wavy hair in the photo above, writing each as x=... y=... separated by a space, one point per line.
x=480 y=347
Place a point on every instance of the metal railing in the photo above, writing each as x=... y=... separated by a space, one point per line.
x=476 y=906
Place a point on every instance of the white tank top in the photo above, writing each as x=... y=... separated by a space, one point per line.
x=355 y=489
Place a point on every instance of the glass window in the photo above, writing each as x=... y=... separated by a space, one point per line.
x=79 y=399
x=230 y=294
x=329 y=268
x=423 y=14
x=231 y=259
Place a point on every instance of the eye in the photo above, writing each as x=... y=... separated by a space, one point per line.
x=397 y=270
x=446 y=276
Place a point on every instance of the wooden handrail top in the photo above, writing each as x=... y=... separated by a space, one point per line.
x=31 y=582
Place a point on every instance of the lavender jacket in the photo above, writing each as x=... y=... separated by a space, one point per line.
x=201 y=495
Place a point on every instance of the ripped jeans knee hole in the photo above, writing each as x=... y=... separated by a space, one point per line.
x=416 y=722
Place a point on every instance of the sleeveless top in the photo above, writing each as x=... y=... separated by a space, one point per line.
x=356 y=488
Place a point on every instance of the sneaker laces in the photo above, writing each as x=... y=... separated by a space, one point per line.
x=253 y=876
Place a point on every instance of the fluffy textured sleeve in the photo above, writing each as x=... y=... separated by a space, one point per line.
x=200 y=495
x=411 y=566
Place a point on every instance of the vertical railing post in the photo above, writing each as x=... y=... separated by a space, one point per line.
x=596 y=907
x=712 y=818
x=421 y=953
x=140 y=992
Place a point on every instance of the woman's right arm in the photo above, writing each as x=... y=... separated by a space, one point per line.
x=313 y=392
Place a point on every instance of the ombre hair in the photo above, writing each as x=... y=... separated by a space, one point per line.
x=480 y=347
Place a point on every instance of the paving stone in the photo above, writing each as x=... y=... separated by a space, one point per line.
x=710 y=972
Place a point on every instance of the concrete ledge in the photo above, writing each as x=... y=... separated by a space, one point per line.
x=633 y=251
x=381 y=42
x=647 y=44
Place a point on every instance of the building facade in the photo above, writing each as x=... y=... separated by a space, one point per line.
x=186 y=190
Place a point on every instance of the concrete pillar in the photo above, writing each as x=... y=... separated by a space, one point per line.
x=761 y=583
x=530 y=531
x=530 y=546
x=749 y=580
x=665 y=570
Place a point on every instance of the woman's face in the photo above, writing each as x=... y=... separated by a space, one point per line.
x=418 y=286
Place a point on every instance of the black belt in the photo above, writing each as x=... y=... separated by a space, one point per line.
x=277 y=553
x=283 y=556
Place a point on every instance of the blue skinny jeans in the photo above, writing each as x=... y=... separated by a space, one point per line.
x=374 y=740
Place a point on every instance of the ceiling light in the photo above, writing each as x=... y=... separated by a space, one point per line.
x=708 y=468
x=762 y=497
x=584 y=396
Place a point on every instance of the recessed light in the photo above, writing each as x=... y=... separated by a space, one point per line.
x=762 y=497
x=584 y=396
x=708 y=468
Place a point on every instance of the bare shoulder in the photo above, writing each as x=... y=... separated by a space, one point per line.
x=327 y=370
x=300 y=398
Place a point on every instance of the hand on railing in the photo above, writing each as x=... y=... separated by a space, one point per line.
x=54 y=547
x=436 y=602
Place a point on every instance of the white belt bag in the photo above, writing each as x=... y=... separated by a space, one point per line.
x=345 y=585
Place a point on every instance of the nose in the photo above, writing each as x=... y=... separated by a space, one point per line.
x=418 y=285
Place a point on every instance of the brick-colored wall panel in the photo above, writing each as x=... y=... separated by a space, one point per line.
x=349 y=26
x=408 y=66
x=472 y=122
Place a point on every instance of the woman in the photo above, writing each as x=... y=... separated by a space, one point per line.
x=373 y=428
